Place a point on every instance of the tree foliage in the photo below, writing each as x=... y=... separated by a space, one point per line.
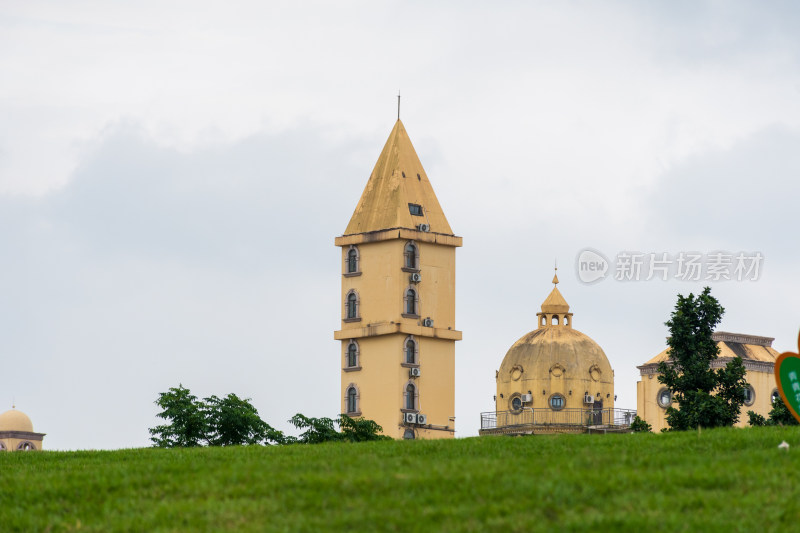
x=213 y=421
x=360 y=429
x=231 y=420
x=317 y=430
x=778 y=416
x=234 y=421
x=640 y=425
x=188 y=425
x=706 y=397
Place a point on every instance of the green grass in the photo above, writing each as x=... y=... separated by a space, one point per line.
x=720 y=480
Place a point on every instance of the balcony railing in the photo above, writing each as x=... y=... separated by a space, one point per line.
x=563 y=418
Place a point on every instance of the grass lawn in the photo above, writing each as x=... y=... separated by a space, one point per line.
x=717 y=480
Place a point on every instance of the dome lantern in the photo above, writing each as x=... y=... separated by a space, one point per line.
x=555 y=309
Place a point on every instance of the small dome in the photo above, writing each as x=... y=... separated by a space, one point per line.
x=14 y=420
x=574 y=351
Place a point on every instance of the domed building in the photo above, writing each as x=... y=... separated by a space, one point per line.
x=554 y=379
x=758 y=357
x=16 y=432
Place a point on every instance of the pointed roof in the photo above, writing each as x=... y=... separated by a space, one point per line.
x=555 y=302
x=397 y=180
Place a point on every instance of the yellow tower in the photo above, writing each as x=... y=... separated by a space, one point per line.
x=398 y=301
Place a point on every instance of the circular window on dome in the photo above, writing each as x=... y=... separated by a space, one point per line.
x=557 y=370
x=749 y=395
x=595 y=372
x=516 y=372
x=515 y=403
x=664 y=398
x=557 y=402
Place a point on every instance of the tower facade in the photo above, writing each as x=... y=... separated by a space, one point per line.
x=398 y=301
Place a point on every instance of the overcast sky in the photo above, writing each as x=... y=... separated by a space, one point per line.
x=173 y=175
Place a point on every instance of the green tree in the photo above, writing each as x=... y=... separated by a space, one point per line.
x=188 y=424
x=234 y=421
x=317 y=430
x=755 y=419
x=706 y=397
x=780 y=414
x=639 y=424
x=360 y=429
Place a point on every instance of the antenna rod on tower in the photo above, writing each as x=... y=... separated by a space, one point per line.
x=398 y=104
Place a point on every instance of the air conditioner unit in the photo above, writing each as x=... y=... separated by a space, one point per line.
x=410 y=418
x=526 y=398
x=422 y=419
x=424 y=227
x=415 y=277
x=427 y=322
x=588 y=399
x=414 y=372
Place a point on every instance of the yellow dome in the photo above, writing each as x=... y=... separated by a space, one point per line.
x=557 y=351
x=14 y=420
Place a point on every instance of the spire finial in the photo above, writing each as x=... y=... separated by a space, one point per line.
x=398 y=104
x=555 y=276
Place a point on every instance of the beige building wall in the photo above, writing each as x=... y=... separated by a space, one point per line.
x=758 y=357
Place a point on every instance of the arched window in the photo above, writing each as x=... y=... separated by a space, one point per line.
x=352 y=260
x=411 y=351
x=544 y=321
x=555 y=320
x=775 y=396
x=411 y=393
x=351 y=305
x=352 y=399
x=411 y=302
x=352 y=354
x=412 y=258
x=26 y=446
x=2 y=447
